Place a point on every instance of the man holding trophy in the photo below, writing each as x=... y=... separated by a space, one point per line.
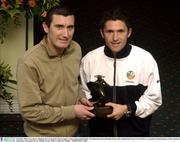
x=122 y=80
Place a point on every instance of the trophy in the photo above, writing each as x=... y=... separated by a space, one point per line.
x=100 y=97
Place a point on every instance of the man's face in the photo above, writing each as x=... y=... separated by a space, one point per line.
x=60 y=32
x=115 y=34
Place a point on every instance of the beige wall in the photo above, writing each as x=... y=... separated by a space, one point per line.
x=14 y=47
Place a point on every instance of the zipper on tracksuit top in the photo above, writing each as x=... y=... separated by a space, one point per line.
x=123 y=53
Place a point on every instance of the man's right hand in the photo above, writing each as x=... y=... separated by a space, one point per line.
x=83 y=112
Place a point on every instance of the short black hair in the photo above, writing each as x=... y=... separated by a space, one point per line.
x=114 y=14
x=57 y=10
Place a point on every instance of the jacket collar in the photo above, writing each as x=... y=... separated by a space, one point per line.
x=121 y=54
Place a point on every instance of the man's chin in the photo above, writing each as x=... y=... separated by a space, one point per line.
x=63 y=45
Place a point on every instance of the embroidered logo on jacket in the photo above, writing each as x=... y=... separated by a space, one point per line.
x=130 y=75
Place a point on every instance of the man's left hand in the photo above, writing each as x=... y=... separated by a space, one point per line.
x=118 y=110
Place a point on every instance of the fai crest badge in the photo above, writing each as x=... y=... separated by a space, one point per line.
x=130 y=75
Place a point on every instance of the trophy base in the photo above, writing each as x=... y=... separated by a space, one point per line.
x=102 y=111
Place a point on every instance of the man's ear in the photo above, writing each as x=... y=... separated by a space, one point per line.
x=129 y=32
x=45 y=27
x=101 y=31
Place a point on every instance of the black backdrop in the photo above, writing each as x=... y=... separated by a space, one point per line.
x=147 y=17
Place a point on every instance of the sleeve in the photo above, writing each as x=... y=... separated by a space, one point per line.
x=85 y=77
x=31 y=105
x=150 y=101
x=81 y=92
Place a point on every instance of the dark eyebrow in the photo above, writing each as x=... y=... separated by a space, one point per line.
x=110 y=30
x=59 y=25
x=71 y=26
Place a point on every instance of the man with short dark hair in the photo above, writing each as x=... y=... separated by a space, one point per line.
x=132 y=77
x=50 y=98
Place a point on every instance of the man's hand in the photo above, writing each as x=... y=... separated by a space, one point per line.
x=83 y=112
x=85 y=101
x=118 y=110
